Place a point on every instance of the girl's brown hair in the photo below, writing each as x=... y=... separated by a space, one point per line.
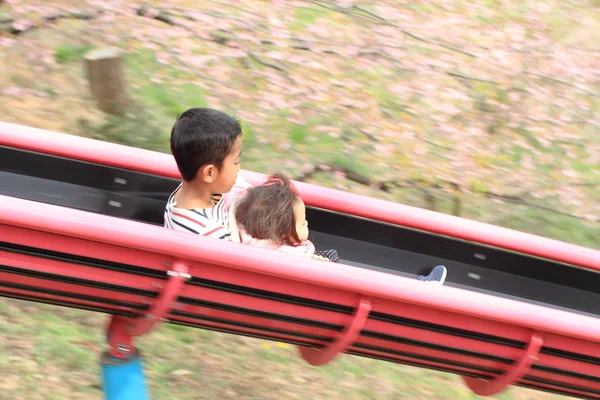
x=267 y=211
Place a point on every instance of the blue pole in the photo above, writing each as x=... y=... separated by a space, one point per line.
x=123 y=379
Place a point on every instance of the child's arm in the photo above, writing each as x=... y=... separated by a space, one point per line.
x=238 y=190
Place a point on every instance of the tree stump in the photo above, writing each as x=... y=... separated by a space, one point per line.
x=106 y=76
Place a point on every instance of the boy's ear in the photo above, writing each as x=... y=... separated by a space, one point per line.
x=208 y=173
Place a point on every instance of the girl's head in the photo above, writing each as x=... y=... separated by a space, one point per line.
x=273 y=211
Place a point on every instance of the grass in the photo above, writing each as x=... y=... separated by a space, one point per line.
x=557 y=227
x=66 y=53
x=306 y=16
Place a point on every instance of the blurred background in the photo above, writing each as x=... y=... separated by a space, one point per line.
x=484 y=109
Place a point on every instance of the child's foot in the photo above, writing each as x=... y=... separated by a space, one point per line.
x=437 y=275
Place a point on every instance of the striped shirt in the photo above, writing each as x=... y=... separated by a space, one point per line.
x=212 y=222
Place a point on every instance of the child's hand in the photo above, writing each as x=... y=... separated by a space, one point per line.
x=320 y=258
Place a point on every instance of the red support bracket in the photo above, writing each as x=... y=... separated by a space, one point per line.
x=121 y=330
x=119 y=341
x=160 y=308
x=342 y=341
x=512 y=374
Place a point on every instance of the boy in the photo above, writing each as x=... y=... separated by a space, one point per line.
x=206 y=145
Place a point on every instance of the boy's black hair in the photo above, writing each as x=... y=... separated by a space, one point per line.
x=202 y=136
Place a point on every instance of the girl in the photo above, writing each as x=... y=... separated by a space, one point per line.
x=273 y=216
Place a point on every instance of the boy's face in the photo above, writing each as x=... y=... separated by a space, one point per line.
x=227 y=174
x=301 y=223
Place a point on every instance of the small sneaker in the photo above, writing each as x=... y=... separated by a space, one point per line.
x=437 y=275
